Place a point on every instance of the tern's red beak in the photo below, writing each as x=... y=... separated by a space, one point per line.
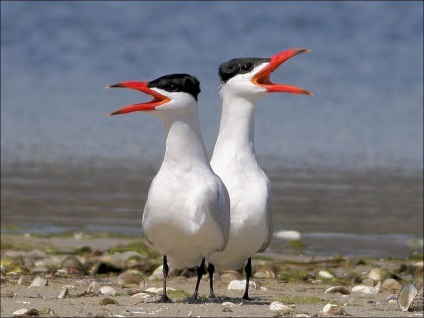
x=158 y=99
x=262 y=78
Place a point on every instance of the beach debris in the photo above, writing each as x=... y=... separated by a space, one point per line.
x=325 y=274
x=333 y=310
x=26 y=312
x=108 y=290
x=367 y=289
x=337 y=289
x=72 y=265
x=228 y=304
x=264 y=273
x=39 y=281
x=410 y=298
x=279 y=306
x=108 y=301
x=226 y=309
x=130 y=277
x=141 y=295
x=94 y=287
x=63 y=293
x=241 y=284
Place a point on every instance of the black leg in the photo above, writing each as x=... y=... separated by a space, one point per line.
x=211 y=270
x=200 y=272
x=164 y=298
x=248 y=270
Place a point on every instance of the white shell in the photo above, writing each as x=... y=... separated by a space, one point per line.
x=38 y=282
x=141 y=295
x=26 y=312
x=63 y=293
x=278 y=306
x=241 y=284
x=325 y=274
x=228 y=303
x=337 y=289
x=157 y=290
x=328 y=307
x=367 y=289
x=94 y=287
x=108 y=290
x=287 y=235
x=406 y=296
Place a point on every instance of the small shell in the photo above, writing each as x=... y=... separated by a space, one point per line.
x=26 y=312
x=94 y=287
x=63 y=293
x=406 y=296
x=141 y=295
x=367 y=289
x=241 y=284
x=417 y=303
x=333 y=310
x=377 y=274
x=108 y=290
x=279 y=306
x=264 y=272
x=228 y=304
x=72 y=265
x=130 y=277
x=39 y=281
x=157 y=290
x=325 y=274
x=108 y=301
x=337 y=289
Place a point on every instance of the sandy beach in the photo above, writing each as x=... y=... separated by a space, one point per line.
x=83 y=278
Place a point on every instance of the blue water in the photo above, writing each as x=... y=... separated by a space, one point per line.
x=365 y=69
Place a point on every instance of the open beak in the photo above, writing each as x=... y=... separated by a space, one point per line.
x=158 y=99
x=262 y=78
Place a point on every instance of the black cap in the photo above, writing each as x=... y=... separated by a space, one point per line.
x=237 y=66
x=177 y=83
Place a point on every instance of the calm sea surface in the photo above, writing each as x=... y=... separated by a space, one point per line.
x=346 y=165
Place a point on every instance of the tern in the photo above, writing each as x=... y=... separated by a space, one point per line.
x=186 y=216
x=243 y=82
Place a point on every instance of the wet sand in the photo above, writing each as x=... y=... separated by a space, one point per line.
x=297 y=284
x=352 y=212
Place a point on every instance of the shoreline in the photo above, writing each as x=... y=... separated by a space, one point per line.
x=296 y=280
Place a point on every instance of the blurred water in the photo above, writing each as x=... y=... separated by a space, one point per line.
x=365 y=69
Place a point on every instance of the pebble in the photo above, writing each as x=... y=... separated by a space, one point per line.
x=108 y=301
x=228 y=303
x=376 y=274
x=157 y=290
x=94 y=287
x=391 y=284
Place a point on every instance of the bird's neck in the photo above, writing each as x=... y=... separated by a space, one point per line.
x=183 y=139
x=236 y=130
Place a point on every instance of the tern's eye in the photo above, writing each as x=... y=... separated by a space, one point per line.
x=246 y=66
x=171 y=87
